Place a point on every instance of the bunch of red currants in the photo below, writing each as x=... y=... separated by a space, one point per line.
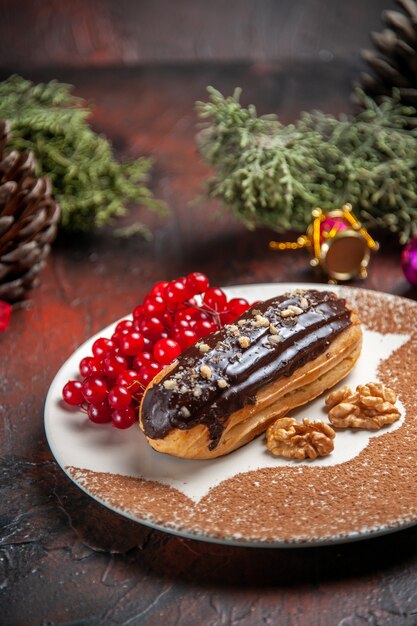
x=169 y=321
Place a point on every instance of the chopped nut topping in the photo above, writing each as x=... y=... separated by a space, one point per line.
x=203 y=347
x=169 y=383
x=205 y=371
x=183 y=389
x=273 y=330
x=275 y=339
x=371 y=406
x=244 y=342
x=222 y=383
x=197 y=391
x=256 y=312
x=304 y=303
x=291 y=311
x=260 y=320
x=184 y=411
x=294 y=440
x=299 y=292
x=296 y=309
x=241 y=322
x=221 y=346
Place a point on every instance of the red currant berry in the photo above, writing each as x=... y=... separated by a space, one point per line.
x=97 y=366
x=183 y=281
x=227 y=318
x=147 y=344
x=123 y=418
x=238 y=306
x=99 y=413
x=153 y=305
x=94 y=389
x=116 y=338
x=183 y=324
x=166 y=319
x=136 y=324
x=215 y=299
x=151 y=327
x=132 y=343
x=72 y=393
x=204 y=327
x=158 y=289
x=101 y=346
x=166 y=350
x=186 y=314
x=186 y=337
x=129 y=380
x=138 y=397
x=148 y=372
x=119 y=397
x=175 y=292
x=202 y=315
x=197 y=283
x=114 y=364
x=141 y=359
x=138 y=312
x=85 y=366
x=124 y=326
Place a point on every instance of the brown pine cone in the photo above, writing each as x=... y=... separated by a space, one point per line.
x=28 y=220
x=394 y=62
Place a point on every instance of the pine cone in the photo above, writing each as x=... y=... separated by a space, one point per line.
x=28 y=220
x=394 y=64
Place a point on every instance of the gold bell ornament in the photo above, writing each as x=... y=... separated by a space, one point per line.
x=340 y=245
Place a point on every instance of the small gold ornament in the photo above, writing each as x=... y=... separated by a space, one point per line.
x=340 y=245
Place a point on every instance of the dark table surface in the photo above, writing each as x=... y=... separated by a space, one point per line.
x=64 y=559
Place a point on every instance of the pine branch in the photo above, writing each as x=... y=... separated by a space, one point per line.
x=274 y=175
x=90 y=185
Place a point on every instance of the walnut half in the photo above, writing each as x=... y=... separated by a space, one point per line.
x=370 y=407
x=295 y=440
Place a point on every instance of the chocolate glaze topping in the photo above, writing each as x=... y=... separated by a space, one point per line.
x=224 y=371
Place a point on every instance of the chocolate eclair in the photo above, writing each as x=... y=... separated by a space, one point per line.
x=227 y=388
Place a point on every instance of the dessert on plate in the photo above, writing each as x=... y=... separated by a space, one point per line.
x=230 y=386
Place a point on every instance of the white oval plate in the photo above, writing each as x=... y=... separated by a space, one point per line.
x=192 y=498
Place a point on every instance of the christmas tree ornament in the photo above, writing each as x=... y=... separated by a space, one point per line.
x=28 y=220
x=409 y=261
x=394 y=63
x=340 y=245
